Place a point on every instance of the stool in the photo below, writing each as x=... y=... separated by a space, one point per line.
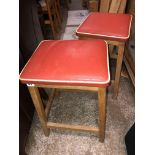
x=114 y=28
x=68 y=64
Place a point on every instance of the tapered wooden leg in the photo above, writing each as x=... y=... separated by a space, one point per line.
x=118 y=70
x=39 y=108
x=102 y=112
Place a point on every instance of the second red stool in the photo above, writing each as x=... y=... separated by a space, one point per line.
x=114 y=28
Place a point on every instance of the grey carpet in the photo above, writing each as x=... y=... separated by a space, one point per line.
x=82 y=108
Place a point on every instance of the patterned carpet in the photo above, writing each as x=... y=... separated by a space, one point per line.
x=81 y=107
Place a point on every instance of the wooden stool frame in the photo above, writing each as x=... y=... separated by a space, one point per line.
x=118 y=57
x=44 y=112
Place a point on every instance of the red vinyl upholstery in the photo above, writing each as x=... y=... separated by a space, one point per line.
x=108 y=26
x=68 y=62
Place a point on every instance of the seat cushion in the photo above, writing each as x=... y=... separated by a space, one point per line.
x=108 y=26
x=68 y=62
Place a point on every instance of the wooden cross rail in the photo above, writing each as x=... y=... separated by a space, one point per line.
x=72 y=127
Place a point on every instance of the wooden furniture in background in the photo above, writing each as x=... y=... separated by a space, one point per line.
x=104 y=5
x=52 y=9
x=116 y=31
x=93 y=5
x=75 y=73
x=113 y=6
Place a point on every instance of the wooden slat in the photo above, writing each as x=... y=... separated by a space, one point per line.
x=122 y=6
x=104 y=5
x=72 y=127
x=69 y=87
x=49 y=103
x=115 y=4
x=102 y=112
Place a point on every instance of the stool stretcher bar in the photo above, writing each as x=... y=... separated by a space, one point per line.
x=68 y=87
x=72 y=127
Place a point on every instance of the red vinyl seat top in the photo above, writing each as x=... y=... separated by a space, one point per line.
x=108 y=26
x=68 y=62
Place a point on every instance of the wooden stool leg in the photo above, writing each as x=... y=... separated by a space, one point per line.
x=39 y=108
x=118 y=69
x=102 y=112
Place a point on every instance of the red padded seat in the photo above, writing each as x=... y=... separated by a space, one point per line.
x=108 y=26
x=68 y=62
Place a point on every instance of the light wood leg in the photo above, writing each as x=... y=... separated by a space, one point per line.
x=118 y=70
x=102 y=112
x=39 y=108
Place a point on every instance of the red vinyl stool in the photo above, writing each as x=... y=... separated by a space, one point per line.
x=114 y=28
x=68 y=64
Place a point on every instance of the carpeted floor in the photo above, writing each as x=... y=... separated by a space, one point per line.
x=81 y=107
